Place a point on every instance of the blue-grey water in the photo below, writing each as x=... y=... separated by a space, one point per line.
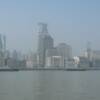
x=50 y=85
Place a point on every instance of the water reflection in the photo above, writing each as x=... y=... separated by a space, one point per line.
x=44 y=89
x=48 y=85
x=60 y=86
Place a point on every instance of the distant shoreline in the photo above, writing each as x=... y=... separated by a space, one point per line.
x=49 y=69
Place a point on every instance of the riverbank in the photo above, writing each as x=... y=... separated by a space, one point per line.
x=51 y=69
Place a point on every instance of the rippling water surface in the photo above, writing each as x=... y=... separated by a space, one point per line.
x=50 y=85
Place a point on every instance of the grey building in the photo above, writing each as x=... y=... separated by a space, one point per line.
x=53 y=59
x=2 y=50
x=16 y=60
x=96 y=54
x=45 y=42
x=15 y=55
x=52 y=52
x=65 y=51
x=83 y=62
x=96 y=58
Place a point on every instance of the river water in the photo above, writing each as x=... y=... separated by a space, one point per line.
x=50 y=85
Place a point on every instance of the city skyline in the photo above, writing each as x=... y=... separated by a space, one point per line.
x=72 y=22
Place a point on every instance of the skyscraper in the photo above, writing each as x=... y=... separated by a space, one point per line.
x=89 y=51
x=4 y=43
x=45 y=42
x=1 y=44
x=2 y=49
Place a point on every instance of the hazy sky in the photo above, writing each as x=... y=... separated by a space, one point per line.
x=71 y=21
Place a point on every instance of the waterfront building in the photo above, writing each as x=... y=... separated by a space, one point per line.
x=35 y=60
x=53 y=59
x=45 y=42
x=65 y=50
x=83 y=62
x=6 y=57
x=96 y=58
x=60 y=56
x=2 y=50
x=89 y=52
x=16 y=60
x=96 y=54
x=52 y=52
x=29 y=60
x=15 y=55
x=54 y=62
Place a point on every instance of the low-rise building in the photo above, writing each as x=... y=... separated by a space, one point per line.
x=96 y=58
x=83 y=62
x=53 y=59
x=12 y=63
x=54 y=62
